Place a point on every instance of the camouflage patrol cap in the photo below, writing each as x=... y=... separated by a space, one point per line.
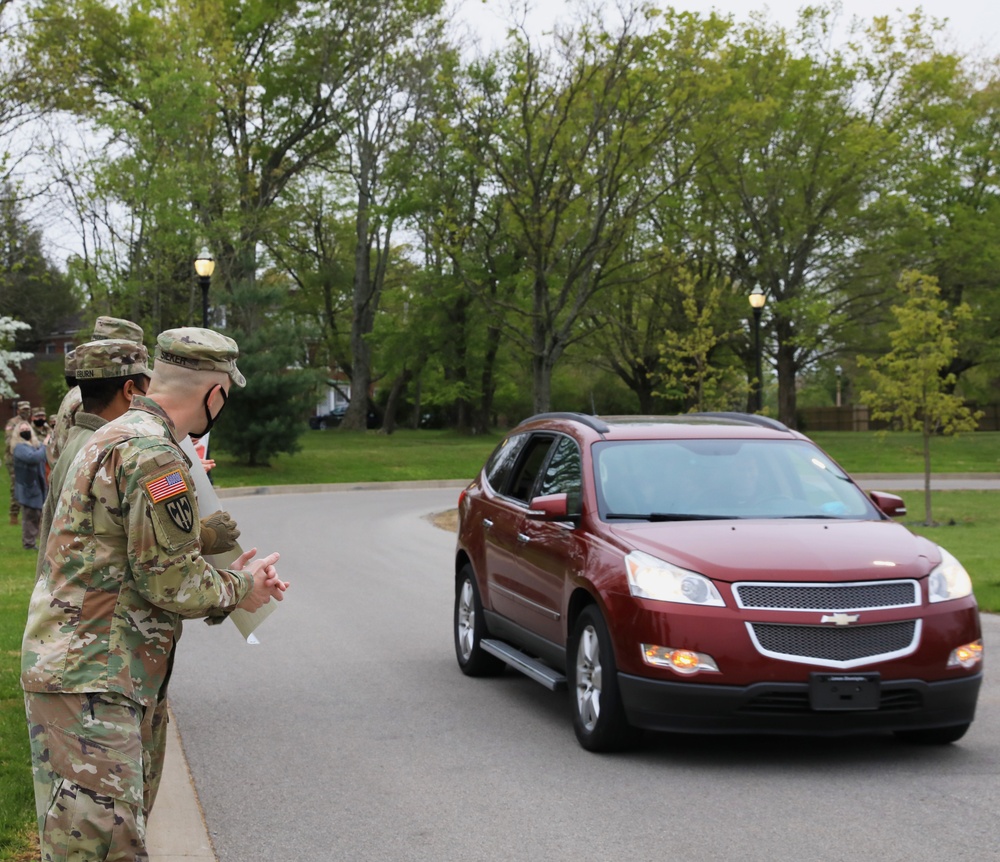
x=23 y=405
x=69 y=363
x=38 y=411
x=200 y=349
x=110 y=358
x=117 y=327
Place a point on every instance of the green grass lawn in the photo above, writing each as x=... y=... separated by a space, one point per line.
x=902 y=452
x=364 y=456
x=970 y=530
x=17 y=802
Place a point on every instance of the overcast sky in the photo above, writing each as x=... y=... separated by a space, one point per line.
x=974 y=24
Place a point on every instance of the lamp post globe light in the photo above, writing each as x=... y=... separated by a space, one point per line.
x=757 y=298
x=204 y=265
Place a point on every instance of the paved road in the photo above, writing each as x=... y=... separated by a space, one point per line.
x=349 y=734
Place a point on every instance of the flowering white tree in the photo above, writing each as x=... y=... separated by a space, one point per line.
x=9 y=359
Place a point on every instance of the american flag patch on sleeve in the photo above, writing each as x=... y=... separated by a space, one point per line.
x=164 y=487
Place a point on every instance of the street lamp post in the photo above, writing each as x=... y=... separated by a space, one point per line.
x=757 y=299
x=839 y=371
x=204 y=265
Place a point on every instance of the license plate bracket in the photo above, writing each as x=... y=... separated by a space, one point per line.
x=844 y=692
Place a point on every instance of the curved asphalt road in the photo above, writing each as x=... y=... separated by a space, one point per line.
x=350 y=734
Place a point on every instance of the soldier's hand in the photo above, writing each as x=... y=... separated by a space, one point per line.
x=266 y=583
x=218 y=533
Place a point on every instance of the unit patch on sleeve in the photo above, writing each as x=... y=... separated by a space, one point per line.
x=164 y=487
x=181 y=513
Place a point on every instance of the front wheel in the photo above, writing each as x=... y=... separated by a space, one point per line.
x=598 y=713
x=470 y=627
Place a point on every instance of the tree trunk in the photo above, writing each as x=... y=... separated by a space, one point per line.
x=541 y=380
x=395 y=393
x=928 y=516
x=488 y=386
x=787 y=370
x=364 y=302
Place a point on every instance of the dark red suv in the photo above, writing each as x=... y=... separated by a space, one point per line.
x=708 y=573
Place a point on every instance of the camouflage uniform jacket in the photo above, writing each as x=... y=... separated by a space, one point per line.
x=123 y=566
x=71 y=402
x=84 y=425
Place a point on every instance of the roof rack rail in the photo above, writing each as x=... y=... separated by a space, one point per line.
x=595 y=422
x=752 y=418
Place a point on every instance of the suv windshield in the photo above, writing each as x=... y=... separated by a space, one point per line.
x=704 y=479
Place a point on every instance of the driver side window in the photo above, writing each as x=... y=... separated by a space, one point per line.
x=563 y=472
x=530 y=465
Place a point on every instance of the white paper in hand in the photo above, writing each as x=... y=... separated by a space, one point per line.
x=208 y=502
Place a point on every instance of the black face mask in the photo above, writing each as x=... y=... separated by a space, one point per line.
x=26 y=435
x=39 y=423
x=209 y=419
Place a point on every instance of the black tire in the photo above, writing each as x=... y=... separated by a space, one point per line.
x=933 y=735
x=595 y=700
x=469 y=628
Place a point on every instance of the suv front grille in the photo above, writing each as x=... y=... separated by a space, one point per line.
x=780 y=702
x=836 y=646
x=828 y=597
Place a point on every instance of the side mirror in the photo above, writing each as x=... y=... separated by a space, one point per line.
x=889 y=504
x=550 y=507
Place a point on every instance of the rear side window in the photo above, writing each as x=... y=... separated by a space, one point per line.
x=501 y=462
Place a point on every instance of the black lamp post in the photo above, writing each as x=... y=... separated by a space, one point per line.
x=757 y=299
x=204 y=265
x=839 y=371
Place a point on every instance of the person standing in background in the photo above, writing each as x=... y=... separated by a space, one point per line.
x=10 y=441
x=30 y=483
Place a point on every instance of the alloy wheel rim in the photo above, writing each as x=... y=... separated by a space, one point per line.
x=466 y=619
x=588 y=678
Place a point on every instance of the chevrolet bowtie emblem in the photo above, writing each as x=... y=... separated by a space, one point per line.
x=840 y=619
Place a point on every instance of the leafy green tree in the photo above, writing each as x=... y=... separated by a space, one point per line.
x=32 y=290
x=385 y=100
x=10 y=359
x=910 y=385
x=268 y=415
x=211 y=125
x=568 y=137
x=947 y=223
x=693 y=370
x=812 y=142
x=468 y=249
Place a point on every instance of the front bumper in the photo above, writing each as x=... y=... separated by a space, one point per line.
x=777 y=707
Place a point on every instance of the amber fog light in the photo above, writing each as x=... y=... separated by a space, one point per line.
x=681 y=661
x=968 y=655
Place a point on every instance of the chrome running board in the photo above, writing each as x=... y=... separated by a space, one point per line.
x=527 y=665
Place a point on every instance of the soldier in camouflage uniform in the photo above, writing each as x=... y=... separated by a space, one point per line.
x=123 y=567
x=110 y=373
x=23 y=415
x=104 y=327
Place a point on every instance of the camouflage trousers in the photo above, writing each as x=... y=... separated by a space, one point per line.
x=97 y=759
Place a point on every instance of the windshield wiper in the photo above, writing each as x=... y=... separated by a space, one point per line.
x=667 y=516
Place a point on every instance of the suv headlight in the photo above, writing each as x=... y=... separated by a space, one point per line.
x=949 y=580
x=650 y=578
